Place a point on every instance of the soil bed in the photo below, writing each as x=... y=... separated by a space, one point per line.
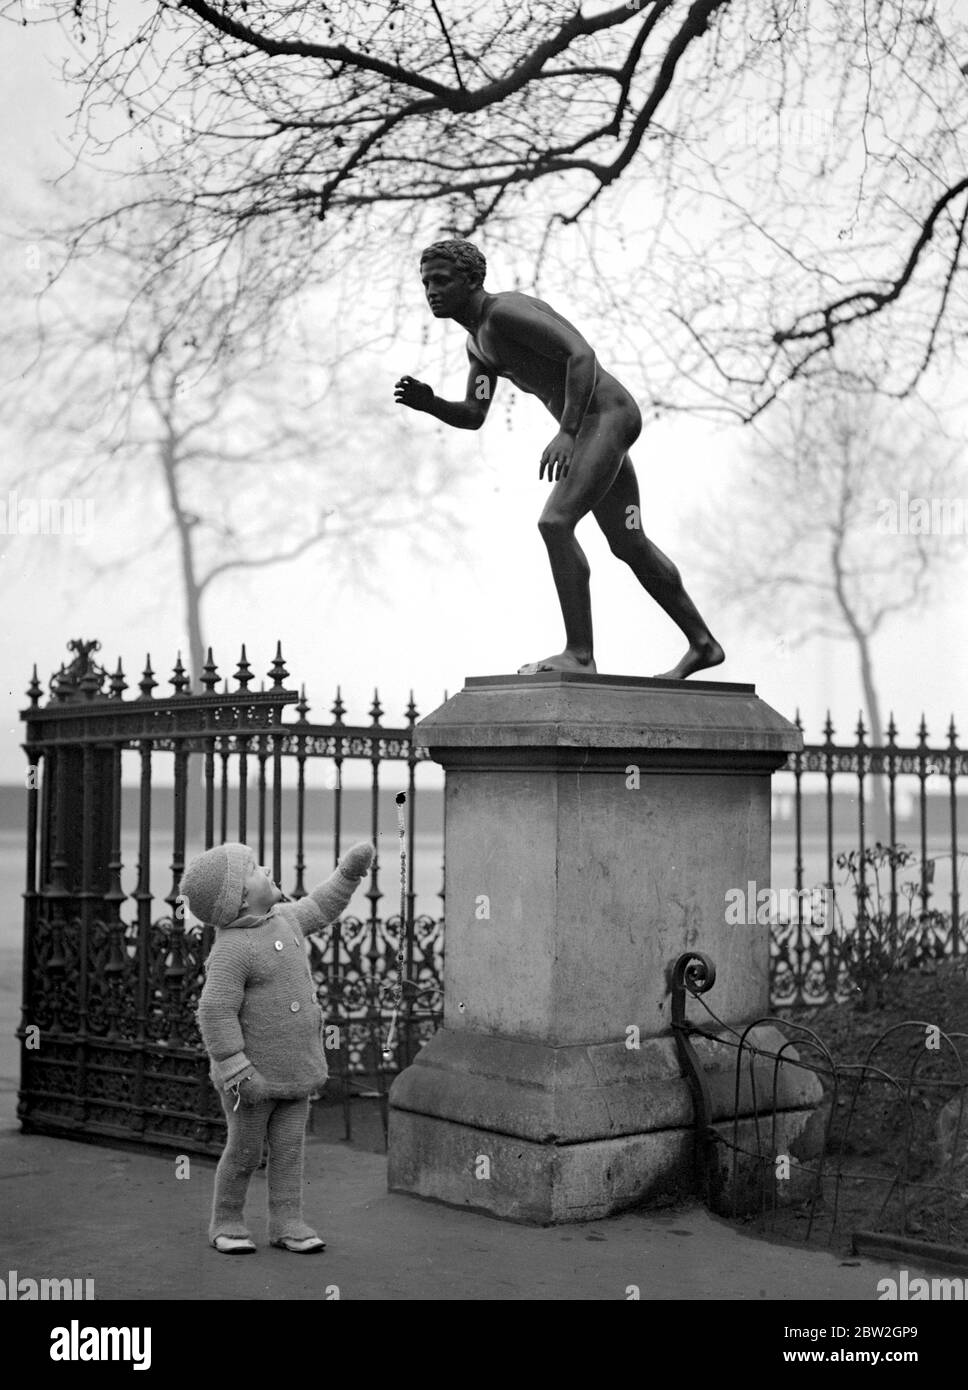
x=882 y=1134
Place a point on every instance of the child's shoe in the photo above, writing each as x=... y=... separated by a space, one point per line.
x=233 y=1245
x=312 y=1245
x=300 y=1239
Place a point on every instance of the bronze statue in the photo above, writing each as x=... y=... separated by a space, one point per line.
x=519 y=337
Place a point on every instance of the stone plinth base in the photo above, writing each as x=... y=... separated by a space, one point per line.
x=595 y=828
x=549 y=1184
x=544 y=1134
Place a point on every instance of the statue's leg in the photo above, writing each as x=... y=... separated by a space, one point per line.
x=599 y=448
x=620 y=518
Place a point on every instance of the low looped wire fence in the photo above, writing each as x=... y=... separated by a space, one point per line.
x=814 y=1146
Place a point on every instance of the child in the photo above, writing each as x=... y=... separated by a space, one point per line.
x=263 y=1030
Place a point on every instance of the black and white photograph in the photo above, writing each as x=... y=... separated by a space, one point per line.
x=484 y=786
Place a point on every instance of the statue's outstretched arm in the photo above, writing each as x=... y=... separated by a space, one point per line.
x=468 y=414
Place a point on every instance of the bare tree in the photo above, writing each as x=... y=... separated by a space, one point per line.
x=240 y=453
x=826 y=534
x=800 y=162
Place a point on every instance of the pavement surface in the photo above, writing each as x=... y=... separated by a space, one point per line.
x=125 y=1220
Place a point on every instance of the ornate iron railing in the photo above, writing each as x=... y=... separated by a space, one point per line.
x=873 y=891
x=109 y=1041
x=109 y=1044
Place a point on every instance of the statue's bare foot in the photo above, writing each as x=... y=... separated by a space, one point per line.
x=563 y=661
x=699 y=657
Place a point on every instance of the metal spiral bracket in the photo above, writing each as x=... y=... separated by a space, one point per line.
x=695 y=974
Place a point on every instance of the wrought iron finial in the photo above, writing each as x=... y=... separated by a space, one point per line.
x=923 y=731
x=338 y=708
x=118 y=683
x=952 y=734
x=83 y=650
x=61 y=685
x=34 y=689
x=278 y=670
x=302 y=706
x=828 y=728
x=411 y=710
x=90 y=683
x=243 y=672
x=861 y=729
x=147 y=682
x=210 y=674
x=891 y=728
x=376 y=709
x=179 y=680
x=83 y=677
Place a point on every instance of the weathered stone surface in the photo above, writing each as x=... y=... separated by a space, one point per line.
x=811 y=1144
x=583 y=1093
x=593 y=827
x=747 y=1181
x=517 y=716
x=547 y=1184
x=591 y=890
x=951 y=1149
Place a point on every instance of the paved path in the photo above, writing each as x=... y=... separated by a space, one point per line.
x=70 y=1210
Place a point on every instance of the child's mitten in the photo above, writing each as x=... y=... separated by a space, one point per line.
x=254 y=1088
x=332 y=896
x=357 y=860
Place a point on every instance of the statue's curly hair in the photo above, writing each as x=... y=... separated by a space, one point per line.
x=464 y=255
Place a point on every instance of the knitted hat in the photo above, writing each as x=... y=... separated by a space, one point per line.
x=214 y=883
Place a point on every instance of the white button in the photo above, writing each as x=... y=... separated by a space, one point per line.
x=294 y=1007
x=278 y=945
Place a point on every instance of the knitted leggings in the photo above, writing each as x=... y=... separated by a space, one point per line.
x=284 y=1122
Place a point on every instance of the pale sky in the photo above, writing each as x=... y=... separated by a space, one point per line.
x=432 y=625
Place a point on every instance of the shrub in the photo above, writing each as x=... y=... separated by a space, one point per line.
x=885 y=937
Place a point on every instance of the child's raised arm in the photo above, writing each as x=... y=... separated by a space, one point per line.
x=325 y=903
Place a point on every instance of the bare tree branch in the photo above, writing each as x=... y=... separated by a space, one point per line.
x=298 y=140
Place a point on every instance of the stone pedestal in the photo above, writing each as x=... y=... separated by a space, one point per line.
x=593 y=827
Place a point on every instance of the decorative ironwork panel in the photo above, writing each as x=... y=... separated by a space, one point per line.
x=112 y=983
x=354 y=970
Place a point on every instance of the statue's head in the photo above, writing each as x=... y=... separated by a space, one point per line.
x=451 y=270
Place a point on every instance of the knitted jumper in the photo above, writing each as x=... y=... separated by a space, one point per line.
x=258 y=1007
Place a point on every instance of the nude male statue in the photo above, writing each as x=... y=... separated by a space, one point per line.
x=519 y=337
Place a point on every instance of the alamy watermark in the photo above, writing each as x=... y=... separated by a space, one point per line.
x=46 y=516
x=17 y=1288
x=758 y=125
x=905 y=515
x=770 y=907
x=908 y=1288
x=77 y=1343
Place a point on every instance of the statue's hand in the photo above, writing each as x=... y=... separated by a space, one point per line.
x=557 y=457
x=416 y=394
